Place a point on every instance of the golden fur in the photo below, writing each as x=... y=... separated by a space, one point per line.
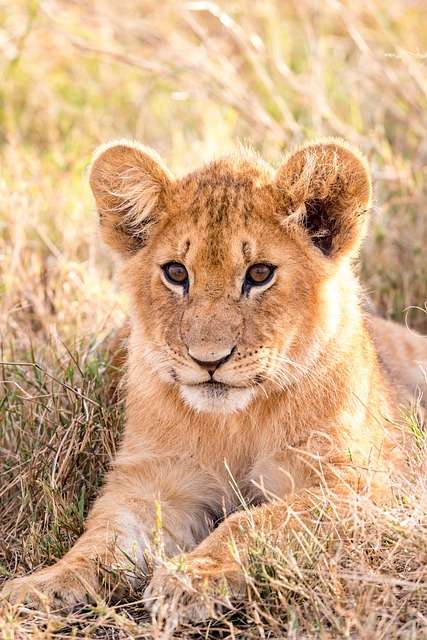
x=308 y=395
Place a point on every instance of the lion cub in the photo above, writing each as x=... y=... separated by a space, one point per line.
x=251 y=364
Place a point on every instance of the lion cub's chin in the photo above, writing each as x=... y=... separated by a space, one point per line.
x=213 y=398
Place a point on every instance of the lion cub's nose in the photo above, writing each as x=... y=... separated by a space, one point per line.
x=210 y=360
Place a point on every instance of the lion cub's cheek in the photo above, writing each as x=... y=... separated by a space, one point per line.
x=207 y=400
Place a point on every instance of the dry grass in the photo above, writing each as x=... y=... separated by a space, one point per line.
x=191 y=79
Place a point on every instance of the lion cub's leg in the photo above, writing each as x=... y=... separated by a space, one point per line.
x=125 y=520
x=214 y=569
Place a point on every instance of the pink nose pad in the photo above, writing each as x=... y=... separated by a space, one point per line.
x=212 y=365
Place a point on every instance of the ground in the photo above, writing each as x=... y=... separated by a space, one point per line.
x=192 y=79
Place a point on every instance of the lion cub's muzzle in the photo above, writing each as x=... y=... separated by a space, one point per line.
x=211 y=359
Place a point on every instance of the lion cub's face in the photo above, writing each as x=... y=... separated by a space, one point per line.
x=234 y=272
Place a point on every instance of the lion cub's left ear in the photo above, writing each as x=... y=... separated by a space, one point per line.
x=129 y=183
x=325 y=190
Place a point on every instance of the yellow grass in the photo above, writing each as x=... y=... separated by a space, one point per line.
x=192 y=79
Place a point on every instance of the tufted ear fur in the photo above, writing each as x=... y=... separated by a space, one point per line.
x=325 y=188
x=129 y=183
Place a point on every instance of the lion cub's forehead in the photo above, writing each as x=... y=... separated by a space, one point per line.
x=223 y=203
x=225 y=193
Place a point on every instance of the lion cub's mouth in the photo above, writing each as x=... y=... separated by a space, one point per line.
x=214 y=387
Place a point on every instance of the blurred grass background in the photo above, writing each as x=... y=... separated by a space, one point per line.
x=190 y=79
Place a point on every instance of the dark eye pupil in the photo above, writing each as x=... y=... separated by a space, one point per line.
x=259 y=273
x=175 y=272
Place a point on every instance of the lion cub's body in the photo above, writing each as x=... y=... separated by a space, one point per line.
x=306 y=396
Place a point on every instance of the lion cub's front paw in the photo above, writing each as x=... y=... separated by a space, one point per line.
x=54 y=587
x=190 y=589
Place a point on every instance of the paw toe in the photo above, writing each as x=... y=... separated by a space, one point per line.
x=38 y=591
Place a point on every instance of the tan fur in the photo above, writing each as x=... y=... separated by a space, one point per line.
x=309 y=402
x=404 y=354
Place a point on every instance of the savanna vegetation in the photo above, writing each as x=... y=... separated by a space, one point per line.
x=193 y=79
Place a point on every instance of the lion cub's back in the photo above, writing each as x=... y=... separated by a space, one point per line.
x=403 y=353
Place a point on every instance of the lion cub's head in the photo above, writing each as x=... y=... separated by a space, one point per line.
x=238 y=274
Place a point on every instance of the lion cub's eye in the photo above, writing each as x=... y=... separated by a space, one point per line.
x=258 y=275
x=176 y=273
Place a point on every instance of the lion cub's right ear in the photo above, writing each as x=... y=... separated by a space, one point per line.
x=129 y=182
